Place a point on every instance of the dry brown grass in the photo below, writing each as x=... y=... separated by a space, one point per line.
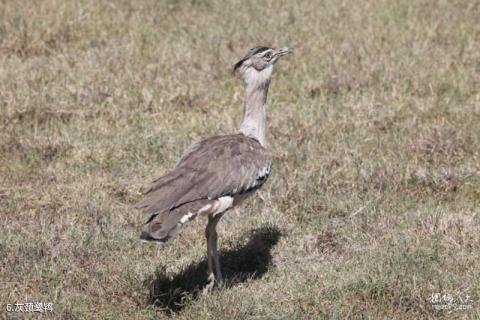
x=374 y=122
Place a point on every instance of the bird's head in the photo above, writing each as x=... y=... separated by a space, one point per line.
x=257 y=65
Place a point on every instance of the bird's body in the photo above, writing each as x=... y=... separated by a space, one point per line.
x=216 y=173
x=212 y=176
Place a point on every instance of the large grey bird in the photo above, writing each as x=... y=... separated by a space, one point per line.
x=216 y=173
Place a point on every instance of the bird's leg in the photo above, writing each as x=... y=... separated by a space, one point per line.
x=212 y=254
x=210 y=273
x=216 y=261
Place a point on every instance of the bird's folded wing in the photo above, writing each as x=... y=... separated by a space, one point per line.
x=209 y=169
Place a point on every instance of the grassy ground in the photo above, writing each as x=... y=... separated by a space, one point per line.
x=374 y=122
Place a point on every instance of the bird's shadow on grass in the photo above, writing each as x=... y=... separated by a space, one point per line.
x=248 y=259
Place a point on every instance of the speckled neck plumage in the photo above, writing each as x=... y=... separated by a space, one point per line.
x=255 y=113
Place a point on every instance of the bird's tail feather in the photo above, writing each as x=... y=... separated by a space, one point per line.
x=161 y=227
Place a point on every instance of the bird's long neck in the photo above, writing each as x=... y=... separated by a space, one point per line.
x=255 y=109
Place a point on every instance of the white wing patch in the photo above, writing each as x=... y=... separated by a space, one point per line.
x=205 y=209
x=222 y=204
x=178 y=227
x=262 y=175
x=264 y=171
x=186 y=217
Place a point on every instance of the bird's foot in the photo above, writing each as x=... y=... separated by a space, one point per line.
x=210 y=283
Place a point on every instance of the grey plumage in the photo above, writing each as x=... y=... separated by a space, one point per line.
x=229 y=165
x=216 y=173
x=251 y=52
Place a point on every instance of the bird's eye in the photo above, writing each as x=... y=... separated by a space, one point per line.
x=268 y=55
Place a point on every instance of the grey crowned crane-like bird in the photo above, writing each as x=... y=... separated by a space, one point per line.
x=216 y=173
